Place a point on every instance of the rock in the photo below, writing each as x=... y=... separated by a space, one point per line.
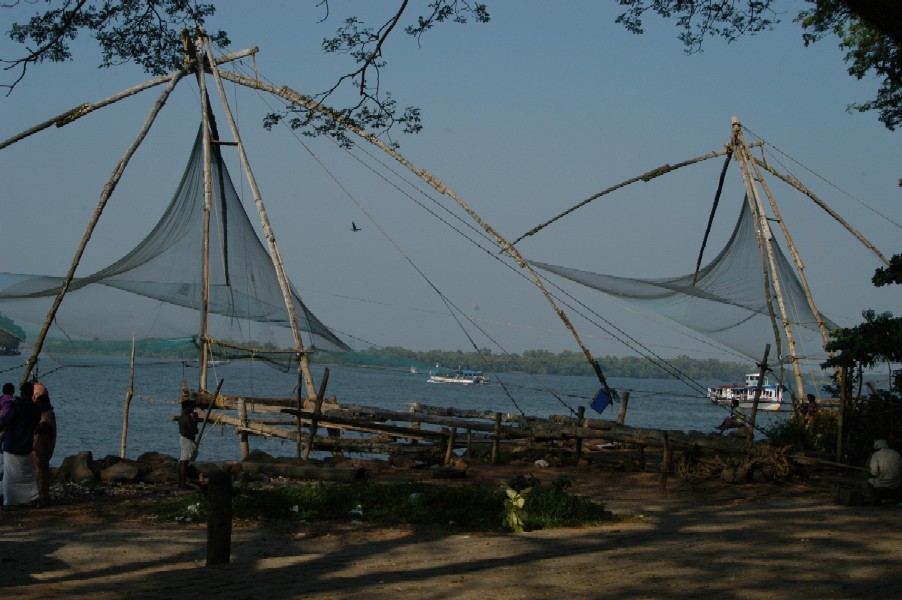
x=763 y=473
x=81 y=467
x=845 y=495
x=162 y=473
x=259 y=456
x=121 y=472
x=734 y=475
x=155 y=458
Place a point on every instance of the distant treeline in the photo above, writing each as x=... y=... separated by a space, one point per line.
x=544 y=362
x=539 y=362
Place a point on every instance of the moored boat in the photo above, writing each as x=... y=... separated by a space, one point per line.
x=460 y=377
x=771 y=398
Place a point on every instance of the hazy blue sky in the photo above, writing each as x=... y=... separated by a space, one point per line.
x=524 y=117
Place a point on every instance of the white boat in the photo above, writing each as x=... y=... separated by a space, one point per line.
x=460 y=377
x=771 y=399
x=210 y=363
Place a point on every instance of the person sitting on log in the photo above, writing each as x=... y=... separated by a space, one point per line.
x=885 y=467
x=736 y=419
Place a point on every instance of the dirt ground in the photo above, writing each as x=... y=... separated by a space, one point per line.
x=692 y=540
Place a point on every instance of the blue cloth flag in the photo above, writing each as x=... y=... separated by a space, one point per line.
x=601 y=401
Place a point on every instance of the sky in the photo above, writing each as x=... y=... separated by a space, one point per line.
x=524 y=117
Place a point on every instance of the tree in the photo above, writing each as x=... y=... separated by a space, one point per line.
x=148 y=33
x=877 y=340
x=869 y=32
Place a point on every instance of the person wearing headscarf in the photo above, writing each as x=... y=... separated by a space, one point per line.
x=19 y=486
x=43 y=444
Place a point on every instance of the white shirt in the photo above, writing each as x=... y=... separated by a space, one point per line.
x=886 y=468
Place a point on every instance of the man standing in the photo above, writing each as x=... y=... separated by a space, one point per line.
x=187 y=443
x=886 y=469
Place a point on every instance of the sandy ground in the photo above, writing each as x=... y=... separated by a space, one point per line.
x=711 y=540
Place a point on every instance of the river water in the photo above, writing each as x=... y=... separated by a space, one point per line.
x=89 y=401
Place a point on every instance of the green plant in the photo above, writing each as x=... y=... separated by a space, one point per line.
x=514 y=513
x=530 y=505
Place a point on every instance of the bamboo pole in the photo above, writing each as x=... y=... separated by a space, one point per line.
x=761 y=372
x=449 y=451
x=95 y=217
x=275 y=255
x=496 y=443
x=666 y=461
x=647 y=176
x=841 y=421
x=301 y=100
x=243 y=442
x=792 y=181
x=797 y=259
x=128 y=400
x=624 y=402
x=80 y=111
x=316 y=413
x=766 y=238
x=578 y=443
x=197 y=55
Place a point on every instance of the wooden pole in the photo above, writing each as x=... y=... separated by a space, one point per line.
x=666 y=460
x=128 y=400
x=300 y=406
x=219 y=518
x=802 y=188
x=765 y=237
x=799 y=264
x=87 y=108
x=209 y=409
x=274 y=253
x=243 y=445
x=92 y=223
x=624 y=402
x=761 y=373
x=496 y=443
x=316 y=413
x=840 y=424
x=208 y=207
x=580 y=416
x=449 y=451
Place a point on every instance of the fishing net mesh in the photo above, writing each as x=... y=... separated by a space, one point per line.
x=155 y=292
x=726 y=300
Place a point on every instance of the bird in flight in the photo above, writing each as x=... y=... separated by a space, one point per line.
x=354 y=226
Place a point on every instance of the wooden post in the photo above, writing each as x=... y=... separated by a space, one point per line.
x=580 y=415
x=449 y=452
x=300 y=404
x=316 y=412
x=761 y=372
x=219 y=518
x=640 y=449
x=128 y=401
x=623 y=404
x=243 y=446
x=666 y=459
x=843 y=401
x=496 y=444
x=469 y=443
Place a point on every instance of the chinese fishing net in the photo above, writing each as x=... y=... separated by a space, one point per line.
x=726 y=301
x=155 y=292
